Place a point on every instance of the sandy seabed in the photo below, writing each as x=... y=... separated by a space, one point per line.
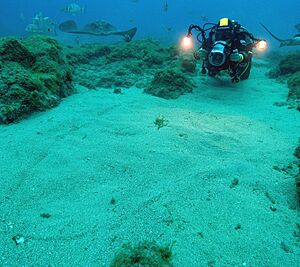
x=82 y=179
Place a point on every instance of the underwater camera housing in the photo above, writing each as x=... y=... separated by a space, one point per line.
x=219 y=54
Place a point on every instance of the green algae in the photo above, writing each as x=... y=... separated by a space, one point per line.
x=169 y=84
x=294 y=90
x=288 y=69
x=127 y=64
x=34 y=76
x=142 y=255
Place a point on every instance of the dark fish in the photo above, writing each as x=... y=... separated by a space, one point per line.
x=166 y=6
x=204 y=18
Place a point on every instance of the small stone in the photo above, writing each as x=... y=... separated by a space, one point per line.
x=234 y=183
x=272 y=208
x=113 y=201
x=19 y=240
x=200 y=234
x=118 y=91
x=238 y=227
x=45 y=215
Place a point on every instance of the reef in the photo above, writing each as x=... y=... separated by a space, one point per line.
x=143 y=254
x=34 y=76
x=169 y=84
x=134 y=64
x=297 y=177
x=294 y=90
x=289 y=69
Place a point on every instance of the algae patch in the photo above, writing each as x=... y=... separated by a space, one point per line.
x=143 y=254
x=143 y=64
x=289 y=69
x=34 y=76
x=169 y=84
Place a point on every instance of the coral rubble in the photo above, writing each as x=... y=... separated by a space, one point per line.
x=34 y=76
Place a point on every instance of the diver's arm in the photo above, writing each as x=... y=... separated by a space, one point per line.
x=242 y=46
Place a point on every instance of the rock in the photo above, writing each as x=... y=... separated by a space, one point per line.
x=294 y=87
x=169 y=84
x=34 y=76
x=290 y=64
x=13 y=50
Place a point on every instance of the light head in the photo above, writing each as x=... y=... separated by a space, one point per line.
x=261 y=45
x=187 y=43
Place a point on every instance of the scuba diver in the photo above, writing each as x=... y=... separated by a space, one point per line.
x=228 y=47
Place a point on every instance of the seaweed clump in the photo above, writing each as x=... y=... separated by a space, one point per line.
x=34 y=76
x=169 y=84
x=143 y=254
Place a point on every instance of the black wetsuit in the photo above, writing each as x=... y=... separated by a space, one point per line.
x=239 y=39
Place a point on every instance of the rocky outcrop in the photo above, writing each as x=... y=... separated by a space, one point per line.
x=169 y=84
x=129 y=64
x=289 y=69
x=34 y=76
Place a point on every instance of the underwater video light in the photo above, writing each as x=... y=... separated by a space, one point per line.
x=261 y=45
x=187 y=43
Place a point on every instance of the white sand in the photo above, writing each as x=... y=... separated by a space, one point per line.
x=169 y=184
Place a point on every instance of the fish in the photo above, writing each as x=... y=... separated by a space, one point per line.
x=74 y=9
x=41 y=25
x=166 y=6
x=97 y=28
x=204 y=18
x=298 y=27
x=294 y=41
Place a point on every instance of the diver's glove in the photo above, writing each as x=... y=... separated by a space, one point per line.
x=235 y=56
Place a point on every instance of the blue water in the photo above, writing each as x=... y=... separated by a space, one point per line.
x=152 y=20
